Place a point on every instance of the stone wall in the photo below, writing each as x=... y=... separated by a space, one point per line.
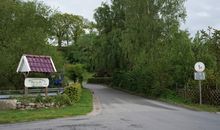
x=8 y=104
x=31 y=106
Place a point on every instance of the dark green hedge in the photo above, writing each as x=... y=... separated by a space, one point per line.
x=73 y=92
x=100 y=80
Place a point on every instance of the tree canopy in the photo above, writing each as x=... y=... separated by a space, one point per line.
x=24 y=29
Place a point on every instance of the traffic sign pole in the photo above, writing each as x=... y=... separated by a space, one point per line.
x=200 y=92
x=200 y=75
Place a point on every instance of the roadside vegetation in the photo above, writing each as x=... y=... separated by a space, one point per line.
x=180 y=101
x=82 y=107
x=149 y=54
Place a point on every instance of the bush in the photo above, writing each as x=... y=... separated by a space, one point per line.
x=73 y=92
x=39 y=99
x=48 y=99
x=75 y=72
x=25 y=99
x=134 y=81
x=62 y=100
x=100 y=80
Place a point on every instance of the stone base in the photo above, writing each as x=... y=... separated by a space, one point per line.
x=8 y=104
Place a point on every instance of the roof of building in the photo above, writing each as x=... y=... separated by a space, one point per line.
x=36 y=63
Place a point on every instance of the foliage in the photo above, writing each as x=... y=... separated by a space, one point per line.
x=48 y=99
x=25 y=99
x=100 y=80
x=39 y=99
x=109 y=56
x=83 y=51
x=83 y=107
x=189 y=105
x=73 y=92
x=128 y=51
x=24 y=28
x=75 y=72
x=61 y=100
x=66 y=28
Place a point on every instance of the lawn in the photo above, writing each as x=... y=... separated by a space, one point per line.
x=83 y=107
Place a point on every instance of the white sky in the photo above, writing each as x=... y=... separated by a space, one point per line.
x=200 y=13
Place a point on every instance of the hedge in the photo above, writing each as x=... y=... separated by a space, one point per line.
x=100 y=80
x=73 y=91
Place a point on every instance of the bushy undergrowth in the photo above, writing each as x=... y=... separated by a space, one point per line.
x=62 y=100
x=75 y=72
x=100 y=80
x=73 y=91
x=71 y=95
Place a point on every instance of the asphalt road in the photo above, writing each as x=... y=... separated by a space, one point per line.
x=115 y=110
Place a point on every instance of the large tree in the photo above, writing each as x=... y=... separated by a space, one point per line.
x=24 y=29
x=66 y=28
x=143 y=41
x=110 y=21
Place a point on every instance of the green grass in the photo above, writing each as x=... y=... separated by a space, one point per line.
x=189 y=105
x=171 y=98
x=83 y=107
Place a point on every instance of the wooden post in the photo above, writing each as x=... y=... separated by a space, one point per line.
x=46 y=91
x=25 y=91
x=25 y=88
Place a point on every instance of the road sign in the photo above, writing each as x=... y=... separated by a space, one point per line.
x=199 y=75
x=199 y=67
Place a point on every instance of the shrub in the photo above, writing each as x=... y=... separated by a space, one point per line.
x=39 y=99
x=73 y=92
x=25 y=99
x=62 y=100
x=65 y=82
x=100 y=80
x=75 y=72
x=48 y=99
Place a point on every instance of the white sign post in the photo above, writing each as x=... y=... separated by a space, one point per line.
x=199 y=75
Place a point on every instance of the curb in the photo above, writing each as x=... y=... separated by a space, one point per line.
x=96 y=106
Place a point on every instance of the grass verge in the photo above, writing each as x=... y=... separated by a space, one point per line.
x=172 y=98
x=186 y=104
x=83 y=107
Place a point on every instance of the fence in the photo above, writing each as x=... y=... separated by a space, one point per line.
x=209 y=96
x=31 y=90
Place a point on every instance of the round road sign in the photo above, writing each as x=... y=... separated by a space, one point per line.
x=199 y=67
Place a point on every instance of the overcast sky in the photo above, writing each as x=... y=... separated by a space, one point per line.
x=200 y=13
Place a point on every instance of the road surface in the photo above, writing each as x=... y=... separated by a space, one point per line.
x=115 y=110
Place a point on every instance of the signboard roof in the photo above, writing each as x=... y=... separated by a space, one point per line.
x=36 y=63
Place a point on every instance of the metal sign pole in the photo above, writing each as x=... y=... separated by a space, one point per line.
x=200 y=75
x=200 y=92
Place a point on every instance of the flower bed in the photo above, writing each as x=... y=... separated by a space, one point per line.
x=71 y=95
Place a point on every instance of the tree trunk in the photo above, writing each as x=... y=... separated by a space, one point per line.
x=59 y=42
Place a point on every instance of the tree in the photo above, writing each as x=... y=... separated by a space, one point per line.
x=24 y=27
x=142 y=40
x=110 y=25
x=66 y=28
